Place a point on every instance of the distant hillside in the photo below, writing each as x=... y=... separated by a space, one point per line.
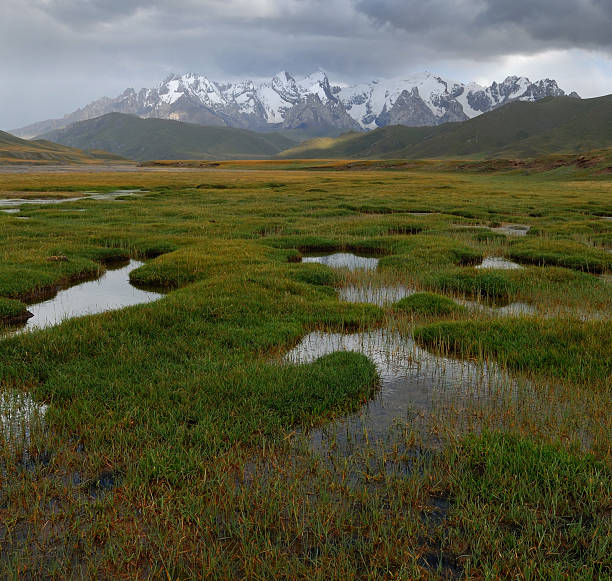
x=147 y=139
x=14 y=150
x=520 y=129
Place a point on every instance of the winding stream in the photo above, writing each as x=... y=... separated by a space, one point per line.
x=111 y=291
x=9 y=205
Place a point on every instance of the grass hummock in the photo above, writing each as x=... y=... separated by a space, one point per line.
x=429 y=305
x=561 y=253
x=566 y=349
x=13 y=312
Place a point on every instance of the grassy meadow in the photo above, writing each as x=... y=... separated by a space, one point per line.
x=176 y=442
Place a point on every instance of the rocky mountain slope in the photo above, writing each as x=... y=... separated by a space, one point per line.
x=517 y=130
x=312 y=104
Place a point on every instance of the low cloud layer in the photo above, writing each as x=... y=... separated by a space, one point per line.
x=60 y=54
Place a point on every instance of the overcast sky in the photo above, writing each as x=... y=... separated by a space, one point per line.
x=58 y=55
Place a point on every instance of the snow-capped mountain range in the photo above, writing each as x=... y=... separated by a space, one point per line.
x=312 y=102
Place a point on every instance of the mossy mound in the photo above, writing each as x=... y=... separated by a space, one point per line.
x=561 y=253
x=429 y=305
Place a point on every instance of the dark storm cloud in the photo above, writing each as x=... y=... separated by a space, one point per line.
x=497 y=25
x=419 y=29
x=563 y=23
x=573 y=22
x=60 y=54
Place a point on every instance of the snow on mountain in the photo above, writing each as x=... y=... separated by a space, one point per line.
x=286 y=102
x=367 y=101
x=371 y=103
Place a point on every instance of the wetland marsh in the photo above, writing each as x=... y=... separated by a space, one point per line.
x=351 y=374
x=109 y=291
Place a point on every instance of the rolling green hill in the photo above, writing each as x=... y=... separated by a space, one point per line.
x=520 y=129
x=14 y=150
x=148 y=139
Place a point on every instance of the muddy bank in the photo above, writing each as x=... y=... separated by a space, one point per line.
x=14 y=320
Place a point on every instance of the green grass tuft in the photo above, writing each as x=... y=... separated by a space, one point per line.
x=11 y=309
x=561 y=253
x=317 y=274
x=565 y=349
x=429 y=305
x=472 y=282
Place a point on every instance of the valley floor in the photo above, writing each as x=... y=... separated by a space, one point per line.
x=438 y=407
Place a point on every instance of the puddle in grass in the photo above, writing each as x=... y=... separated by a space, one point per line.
x=15 y=211
x=363 y=262
x=385 y=295
x=111 y=291
x=512 y=229
x=508 y=229
x=500 y=310
x=18 y=413
x=496 y=262
x=343 y=260
x=376 y=295
x=414 y=382
x=16 y=202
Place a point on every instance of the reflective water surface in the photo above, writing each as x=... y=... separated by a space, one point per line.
x=13 y=202
x=374 y=294
x=413 y=382
x=18 y=412
x=496 y=262
x=513 y=229
x=343 y=260
x=385 y=295
x=111 y=291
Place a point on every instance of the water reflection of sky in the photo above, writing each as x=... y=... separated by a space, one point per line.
x=111 y=291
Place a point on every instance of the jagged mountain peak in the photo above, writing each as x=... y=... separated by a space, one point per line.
x=312 y=101
x=317 y=76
